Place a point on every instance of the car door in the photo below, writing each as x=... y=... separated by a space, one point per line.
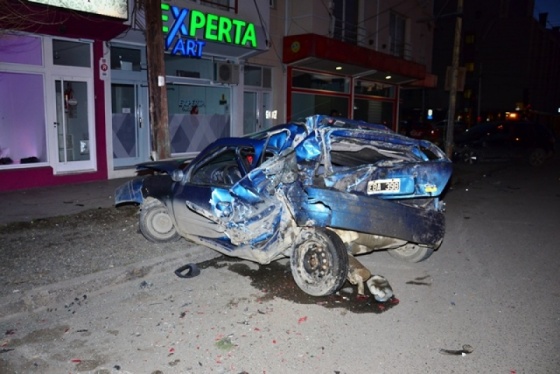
x=223 y=200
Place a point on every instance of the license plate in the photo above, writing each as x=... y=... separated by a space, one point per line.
x=384 y=186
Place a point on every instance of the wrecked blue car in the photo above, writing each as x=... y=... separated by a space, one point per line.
x=319 y=193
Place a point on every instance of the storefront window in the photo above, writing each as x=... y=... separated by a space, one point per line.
x=180 y=66
x=369 y=88
x=374 y=111
x=305 y=105
x=126 y=59
x=69 y=53
x=257 y=76
x=21 y=49
x=198 y=115
x=317 y=81
x=22 y=123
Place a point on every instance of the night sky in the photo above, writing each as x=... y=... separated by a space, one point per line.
x=552 y=7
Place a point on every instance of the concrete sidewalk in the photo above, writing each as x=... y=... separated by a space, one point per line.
x=45 y=202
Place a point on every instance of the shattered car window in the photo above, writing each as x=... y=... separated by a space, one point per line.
x=221 y=170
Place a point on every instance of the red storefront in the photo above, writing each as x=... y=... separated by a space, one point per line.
x=52 y=129
x=326 y=74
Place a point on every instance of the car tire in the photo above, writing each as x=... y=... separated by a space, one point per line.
x=319 y=262
x=411 y=252
x=155 y=223
x=469 y=157
x=537 y=157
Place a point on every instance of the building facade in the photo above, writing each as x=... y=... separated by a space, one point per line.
x=355 y=57
x=51 y=95
x=231 y=68
x=510 y=61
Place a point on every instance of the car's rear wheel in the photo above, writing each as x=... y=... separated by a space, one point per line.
x=469 y=157
x=411 y=252
x=319 y=262
x=155 y=223
x=537 y=157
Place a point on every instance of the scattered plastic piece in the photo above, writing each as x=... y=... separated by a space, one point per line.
x=462 y=352
x=187 y=271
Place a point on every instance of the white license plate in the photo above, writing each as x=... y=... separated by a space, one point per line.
x=384 y=186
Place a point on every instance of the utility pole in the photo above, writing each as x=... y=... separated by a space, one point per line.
x=454 y=79
x=159 y=116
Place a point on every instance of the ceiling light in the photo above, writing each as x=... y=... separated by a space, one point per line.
x=338 y=68
x=388 y=77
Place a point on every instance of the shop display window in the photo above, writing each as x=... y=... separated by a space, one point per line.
x=305 y=105
x=257 y=76
x=22 y=123
x=318 y=81
x=126 y=59
x=179 y=66
x=21 y=49
x=374 y=111
x=68 y=53
x=371 y=88
x=198 y=115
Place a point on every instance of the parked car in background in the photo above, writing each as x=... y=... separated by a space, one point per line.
x=422 y=130
x=319 y=193
x=458 y=128
x=505 y=140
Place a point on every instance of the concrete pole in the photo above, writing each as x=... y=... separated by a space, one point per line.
x=454 y=79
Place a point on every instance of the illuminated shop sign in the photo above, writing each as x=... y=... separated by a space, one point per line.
x=111 y=8
x=187 y=30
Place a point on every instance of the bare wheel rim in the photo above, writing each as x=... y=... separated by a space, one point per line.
x=537 y=157
x=316 y=261
x=319 y=263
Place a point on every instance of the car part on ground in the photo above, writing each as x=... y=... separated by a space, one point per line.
x=188 y=271
x=465 y=350
x=319 y=192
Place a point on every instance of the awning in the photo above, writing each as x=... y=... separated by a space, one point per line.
x=322 y=53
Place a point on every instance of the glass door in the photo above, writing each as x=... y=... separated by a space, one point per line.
x=257 y=113
x=250 y=112
x=73 y=126
x=129 y=124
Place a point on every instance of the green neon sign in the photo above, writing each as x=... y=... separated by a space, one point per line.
x=223 y=29
x=190 y=25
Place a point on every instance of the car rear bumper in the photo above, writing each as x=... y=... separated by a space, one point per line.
x=331 y=208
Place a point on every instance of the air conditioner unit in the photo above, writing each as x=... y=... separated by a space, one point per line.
x=227 y=73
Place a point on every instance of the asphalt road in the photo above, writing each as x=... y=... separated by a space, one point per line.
x=492 y=286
